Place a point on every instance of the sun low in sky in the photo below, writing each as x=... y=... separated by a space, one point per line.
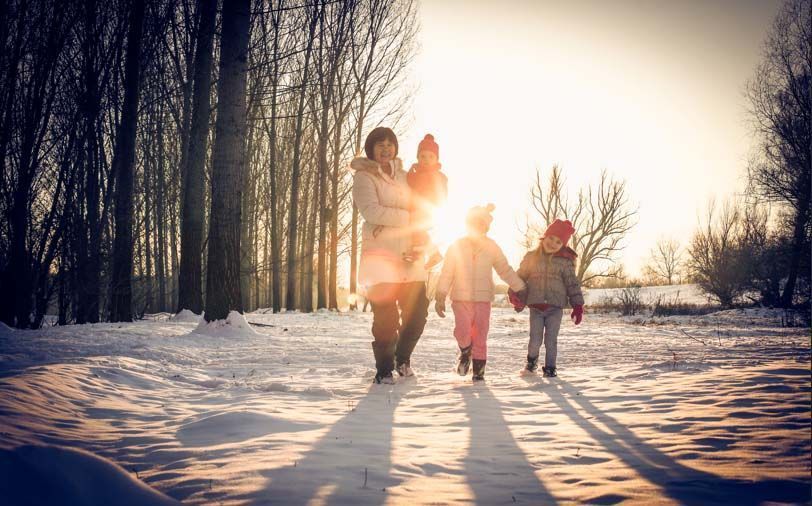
x=651 y=91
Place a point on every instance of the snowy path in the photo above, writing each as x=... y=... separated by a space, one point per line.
x=640 y=413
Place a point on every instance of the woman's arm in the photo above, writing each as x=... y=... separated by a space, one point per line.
x=365 y=197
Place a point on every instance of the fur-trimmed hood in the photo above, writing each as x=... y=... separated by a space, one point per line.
x=364 y=164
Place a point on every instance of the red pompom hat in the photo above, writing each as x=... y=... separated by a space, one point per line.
x=428 y=144
x=562 y=229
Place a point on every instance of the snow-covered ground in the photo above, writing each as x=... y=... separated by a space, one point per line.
x=686 y=294
x=704 y=410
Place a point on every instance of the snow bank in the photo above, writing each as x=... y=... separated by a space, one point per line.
x=235 y=325
x=186 y=316
x=33 y=474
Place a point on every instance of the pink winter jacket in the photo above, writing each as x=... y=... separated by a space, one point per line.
x=468 y=270
x=384 y=201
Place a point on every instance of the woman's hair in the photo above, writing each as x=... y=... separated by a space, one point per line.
x=377 y=135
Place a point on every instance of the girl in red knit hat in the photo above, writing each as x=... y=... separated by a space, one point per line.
x=549 y=272
x=429 y=190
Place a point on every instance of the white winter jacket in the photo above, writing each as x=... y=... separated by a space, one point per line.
x=383 y=201
x=468 y=270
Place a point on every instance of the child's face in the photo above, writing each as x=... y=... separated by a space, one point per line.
x=426 y=158
x=551 y=244
x=384 y=151
x=478 y=227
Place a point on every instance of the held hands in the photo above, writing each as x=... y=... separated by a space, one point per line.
x=577 y=314
x=517 y=299
x=439 y=305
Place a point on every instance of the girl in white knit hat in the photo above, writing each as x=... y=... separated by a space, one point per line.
x=467 y=275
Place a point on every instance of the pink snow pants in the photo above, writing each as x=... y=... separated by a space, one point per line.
x=471 y=321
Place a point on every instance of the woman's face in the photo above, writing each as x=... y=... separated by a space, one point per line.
x=551 y=244
x=384 y=151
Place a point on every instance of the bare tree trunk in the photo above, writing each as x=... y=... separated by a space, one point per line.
x=124 y=168
x=160 y=212
x=190 y=278
x=276 y=284
x=149 y=292
x=89 y=263
x=316 y=216
x=354 y=260
x=800 y=247
x=290 y=296
x=333 y=284
x=228 y=161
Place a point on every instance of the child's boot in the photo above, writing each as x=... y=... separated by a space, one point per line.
x=479 y=370
x=532 y=364
x=464 y=360
x=549 y=372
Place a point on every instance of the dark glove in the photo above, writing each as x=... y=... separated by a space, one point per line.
x=577 y=314
x=518 y=299
x=439 y=305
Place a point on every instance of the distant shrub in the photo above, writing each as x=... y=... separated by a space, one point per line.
x=663 y=306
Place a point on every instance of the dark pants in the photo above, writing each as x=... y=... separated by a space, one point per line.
x=399 y=312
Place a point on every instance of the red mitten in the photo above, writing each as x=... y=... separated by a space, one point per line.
x=517 y=299
x=577 y=314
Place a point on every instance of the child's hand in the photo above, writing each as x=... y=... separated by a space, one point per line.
x=577 y=314
x=517 y=299
x=439 y=305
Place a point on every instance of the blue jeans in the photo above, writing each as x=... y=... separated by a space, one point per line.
x=544 y=326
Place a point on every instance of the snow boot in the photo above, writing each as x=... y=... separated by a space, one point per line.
x=384 y=378
x=404 y=369
x=532 y=364
x=479 y=370
x=464 y=360
x=549 y=372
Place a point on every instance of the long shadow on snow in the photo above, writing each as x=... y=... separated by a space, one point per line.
x=333 y=468
x=497 y=469
x=677 y=481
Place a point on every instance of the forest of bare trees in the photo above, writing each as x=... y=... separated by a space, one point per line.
x=153 y=153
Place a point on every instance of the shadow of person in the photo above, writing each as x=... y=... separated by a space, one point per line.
x=677 y=481
x=497 y=469
x=350 y=464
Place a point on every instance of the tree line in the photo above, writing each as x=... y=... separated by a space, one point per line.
x=180 y=154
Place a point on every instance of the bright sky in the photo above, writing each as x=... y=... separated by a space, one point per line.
x=650 y=90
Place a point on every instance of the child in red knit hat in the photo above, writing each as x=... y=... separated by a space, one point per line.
x=429 y=190
x=549 y=272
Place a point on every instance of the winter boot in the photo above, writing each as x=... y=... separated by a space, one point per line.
x=385 y=378
x=532 y=364
x=404 y=369
x=479 y=370
x=464 y=360
x=549 y=372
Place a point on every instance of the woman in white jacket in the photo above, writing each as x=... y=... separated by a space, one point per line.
x=395 y=288
x=468 y=274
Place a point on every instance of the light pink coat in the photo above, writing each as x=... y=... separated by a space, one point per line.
x=468 y=270
x=384 y=201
